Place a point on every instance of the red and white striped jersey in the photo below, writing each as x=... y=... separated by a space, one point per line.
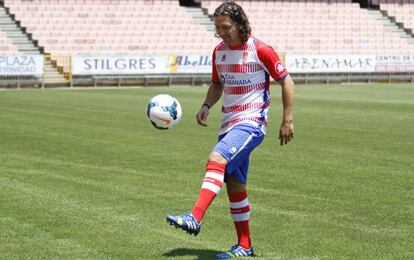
x=244 y=73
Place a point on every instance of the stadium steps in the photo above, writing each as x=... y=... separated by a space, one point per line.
x=202 y=17
x=25 y=45
x=52 y=76
x=15 y=34
x=389 y=21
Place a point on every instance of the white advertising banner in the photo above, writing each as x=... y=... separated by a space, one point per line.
x=130 y=65
x=115 y=65
x=21 y=65
x=190 y=64
x=330 y=63
x=394 y=63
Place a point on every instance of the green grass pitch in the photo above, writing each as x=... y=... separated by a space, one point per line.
x=84 y=175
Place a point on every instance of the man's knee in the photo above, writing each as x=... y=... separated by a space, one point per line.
x=233 y=185
x=216 y=157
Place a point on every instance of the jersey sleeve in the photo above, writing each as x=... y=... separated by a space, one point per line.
x=214 y=76
x=271 y=61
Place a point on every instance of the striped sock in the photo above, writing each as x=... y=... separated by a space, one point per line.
x=213 y=181
x=240 y=211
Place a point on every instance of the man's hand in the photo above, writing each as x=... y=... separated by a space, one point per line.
x=202 y=115
x=286 y=132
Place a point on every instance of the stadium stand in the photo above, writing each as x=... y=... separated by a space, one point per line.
x=100 y=27
x=105 y=26
x=164 y=27
x=327 y=27
x=63 y=28
x=401 y=10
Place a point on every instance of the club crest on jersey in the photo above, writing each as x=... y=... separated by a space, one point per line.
x=245 y=57
x=279 y=67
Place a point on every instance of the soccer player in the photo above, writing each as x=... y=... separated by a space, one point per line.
x=242 y=66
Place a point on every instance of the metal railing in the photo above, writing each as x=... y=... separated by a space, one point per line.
x=199 y=79
x=387 y=77
x=142 y=80
x=20 y=82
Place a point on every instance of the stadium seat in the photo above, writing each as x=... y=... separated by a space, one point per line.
x=330 y=21
x=163 y=26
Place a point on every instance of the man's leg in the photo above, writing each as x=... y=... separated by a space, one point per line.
x=213 y=181
x=240 y=211
x=234 y=147
x=239 y=208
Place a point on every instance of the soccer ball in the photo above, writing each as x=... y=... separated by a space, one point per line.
x=164 y=111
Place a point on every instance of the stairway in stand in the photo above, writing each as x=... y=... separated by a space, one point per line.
x=26 y=46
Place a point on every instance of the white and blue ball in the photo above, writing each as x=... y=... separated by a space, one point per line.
x=164 y=111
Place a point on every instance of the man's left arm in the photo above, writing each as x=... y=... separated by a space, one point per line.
x=286 y=127
x=275 y=68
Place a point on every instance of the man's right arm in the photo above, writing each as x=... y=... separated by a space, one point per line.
x=213 y=95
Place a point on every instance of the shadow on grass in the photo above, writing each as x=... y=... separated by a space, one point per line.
x=199 y=253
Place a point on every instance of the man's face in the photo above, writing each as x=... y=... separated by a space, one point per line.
x=227 y=30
